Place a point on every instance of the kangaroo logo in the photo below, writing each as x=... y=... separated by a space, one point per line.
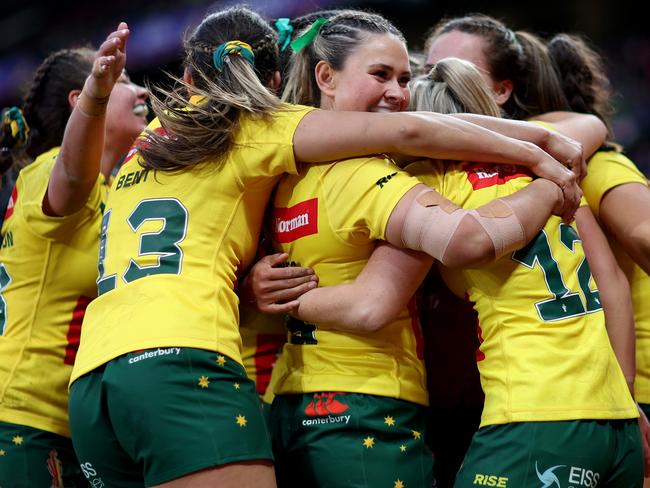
x=548 y=477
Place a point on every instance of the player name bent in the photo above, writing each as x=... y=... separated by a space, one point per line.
x=153 y=354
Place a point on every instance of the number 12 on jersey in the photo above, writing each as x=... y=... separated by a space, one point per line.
x=564 y=303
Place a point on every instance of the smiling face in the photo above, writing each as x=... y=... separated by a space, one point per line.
x=374 y=78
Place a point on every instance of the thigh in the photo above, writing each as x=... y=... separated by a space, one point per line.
x=238 y=475
x=36 y=458
x=178 y=411
x=580 y=453
x=102 y=458
x=336 y=439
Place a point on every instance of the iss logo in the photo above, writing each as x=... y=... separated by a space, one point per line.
x=548 y=477
x=577 y=477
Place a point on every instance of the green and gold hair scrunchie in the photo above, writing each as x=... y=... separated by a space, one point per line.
x=301 y=42
x=13 y=119
x=236 y=48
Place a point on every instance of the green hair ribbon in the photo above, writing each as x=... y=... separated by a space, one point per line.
x=285 y=31
x=14 y=119
x=236 y=48
x=299 y=43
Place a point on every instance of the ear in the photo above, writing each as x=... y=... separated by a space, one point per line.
x=276 y=82
x=73 y=97
x=325 y=78
x=187 y=77
x=502 y=91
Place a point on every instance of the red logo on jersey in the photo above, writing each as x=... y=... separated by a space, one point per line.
x=11 y=204
x=483 y=176
x=266 y=353
x=74 y=330
x=144 y=141
x=295 y=222
x=480 y=355
x=325 y=404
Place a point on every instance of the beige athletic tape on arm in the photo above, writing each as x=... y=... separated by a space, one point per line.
x=502 y=226
x=430 y=224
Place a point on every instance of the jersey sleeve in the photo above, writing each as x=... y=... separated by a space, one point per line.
x=361 y=195
x=431 y=173
x=607 y=170
x=270 y=140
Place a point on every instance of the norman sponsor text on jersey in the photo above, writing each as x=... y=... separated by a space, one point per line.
x=291 y=224
x=132 y=178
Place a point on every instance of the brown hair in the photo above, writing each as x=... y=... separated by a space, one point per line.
x=203 y=131
x=45 y=105
x=519 y=57
x=582 y=74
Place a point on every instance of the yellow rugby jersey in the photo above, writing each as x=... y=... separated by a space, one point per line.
x=329 y=218
x=172 y=247
x=608 y=169
x=545 y=354
x=48 y=267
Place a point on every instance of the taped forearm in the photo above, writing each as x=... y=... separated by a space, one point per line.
x=432 y=222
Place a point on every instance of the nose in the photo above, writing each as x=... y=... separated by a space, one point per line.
x=397 y=94
x=140 y=92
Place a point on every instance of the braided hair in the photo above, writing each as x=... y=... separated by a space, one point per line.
x=204 y=133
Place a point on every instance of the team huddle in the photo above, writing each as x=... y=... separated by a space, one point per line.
x=231 y=294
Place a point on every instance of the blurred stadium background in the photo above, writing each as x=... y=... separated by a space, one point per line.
x=31 y=29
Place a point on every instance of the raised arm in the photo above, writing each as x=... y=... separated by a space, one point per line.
x=329 y=135
x=614 y=292
x=425 y=221
x=78 y=163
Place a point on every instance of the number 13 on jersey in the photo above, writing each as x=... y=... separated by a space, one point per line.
x=163 y=244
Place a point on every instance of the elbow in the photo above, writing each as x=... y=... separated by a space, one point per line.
x=372 y=316
x=471 y=247
x=412 y=133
